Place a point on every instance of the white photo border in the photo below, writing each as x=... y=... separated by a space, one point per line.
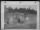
x=2 y=16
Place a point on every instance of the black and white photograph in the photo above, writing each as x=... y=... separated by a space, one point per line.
x=20 y=15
